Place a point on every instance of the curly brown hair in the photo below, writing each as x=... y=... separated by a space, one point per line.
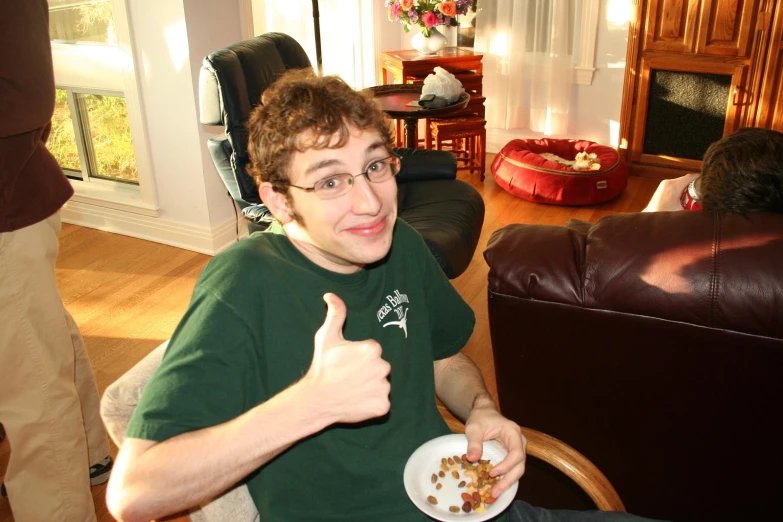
x=743 y=173
x=302 y=111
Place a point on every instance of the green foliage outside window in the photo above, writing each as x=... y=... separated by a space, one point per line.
x=62 y=140
x=107 y=131
x=111 y=137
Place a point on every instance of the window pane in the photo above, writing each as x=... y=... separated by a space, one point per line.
x=62 y=141
x=80 y=21
x=108 y=130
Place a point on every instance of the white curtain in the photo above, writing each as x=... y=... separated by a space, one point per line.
x=346 y=26
x=348 y=40
x=292 y=17
x=527 y=63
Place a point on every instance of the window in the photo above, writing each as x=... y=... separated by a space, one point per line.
x=94 y=139
x=96 y=128
x=75 y=21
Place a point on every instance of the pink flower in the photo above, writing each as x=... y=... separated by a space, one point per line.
x=406 y=4
x=448 y=8
x=429 y=19
x=394 y=11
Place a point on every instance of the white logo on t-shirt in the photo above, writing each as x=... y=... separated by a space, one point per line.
x=395 y=304
x=402 y=323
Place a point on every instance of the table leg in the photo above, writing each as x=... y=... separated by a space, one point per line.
x=411 y=129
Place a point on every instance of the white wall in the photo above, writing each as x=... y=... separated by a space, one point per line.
x=211 y=26
x=595 y=109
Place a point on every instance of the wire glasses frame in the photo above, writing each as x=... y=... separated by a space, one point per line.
x=336 y=185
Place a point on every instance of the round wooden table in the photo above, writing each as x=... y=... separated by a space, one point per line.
x=395 y=99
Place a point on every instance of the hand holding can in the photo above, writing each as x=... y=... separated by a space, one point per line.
x=690 y=196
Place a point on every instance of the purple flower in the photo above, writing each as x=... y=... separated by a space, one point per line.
x=414 y=16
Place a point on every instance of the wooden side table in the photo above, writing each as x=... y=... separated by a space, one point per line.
x=395 y=101
x=410 y=65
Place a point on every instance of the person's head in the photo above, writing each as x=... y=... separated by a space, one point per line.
x=743 y=173
x=306 y=131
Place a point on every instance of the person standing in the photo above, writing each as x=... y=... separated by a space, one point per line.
x=49 y=403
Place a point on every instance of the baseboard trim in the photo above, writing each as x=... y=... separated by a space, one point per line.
x=198 y=239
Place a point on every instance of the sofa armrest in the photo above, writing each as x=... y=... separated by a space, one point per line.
x=421 y=164
x=117 y=406
x=541 y=262
x=120 y=399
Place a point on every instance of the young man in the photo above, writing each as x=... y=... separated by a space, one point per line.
x=316 y=407
x=741 y=173
x=49 y=404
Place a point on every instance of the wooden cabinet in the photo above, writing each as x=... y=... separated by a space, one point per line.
x=697 y=70
x=769 y=111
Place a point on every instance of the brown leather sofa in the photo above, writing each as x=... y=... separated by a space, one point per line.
x=652 y=344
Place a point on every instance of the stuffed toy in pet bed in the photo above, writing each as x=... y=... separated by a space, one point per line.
x=560 y=172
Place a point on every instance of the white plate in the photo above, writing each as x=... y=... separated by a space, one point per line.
x=425 y=461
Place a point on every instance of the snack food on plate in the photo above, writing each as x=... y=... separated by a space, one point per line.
x=473 y=477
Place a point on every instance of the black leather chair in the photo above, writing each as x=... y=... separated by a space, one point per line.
x=446 y=211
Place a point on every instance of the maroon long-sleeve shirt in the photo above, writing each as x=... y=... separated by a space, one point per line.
x=32 y=184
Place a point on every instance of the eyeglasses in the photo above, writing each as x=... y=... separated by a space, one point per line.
x=338 y=184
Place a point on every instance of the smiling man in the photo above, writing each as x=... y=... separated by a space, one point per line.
x=317 y=408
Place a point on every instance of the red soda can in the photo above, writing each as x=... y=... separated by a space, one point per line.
x=690 y=197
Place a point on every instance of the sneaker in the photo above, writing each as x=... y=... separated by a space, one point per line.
x=100 y=472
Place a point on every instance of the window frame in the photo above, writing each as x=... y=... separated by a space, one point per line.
x=587 y=42
x=108 y=70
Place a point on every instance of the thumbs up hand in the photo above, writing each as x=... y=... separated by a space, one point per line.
x=350 y=377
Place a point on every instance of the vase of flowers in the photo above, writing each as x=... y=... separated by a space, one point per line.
x=427 y=16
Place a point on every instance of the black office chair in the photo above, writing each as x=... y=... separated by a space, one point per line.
x=447 y=212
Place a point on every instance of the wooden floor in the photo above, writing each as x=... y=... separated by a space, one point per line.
x=127 y=294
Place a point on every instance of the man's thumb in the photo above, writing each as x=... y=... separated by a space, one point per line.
x=332 y=329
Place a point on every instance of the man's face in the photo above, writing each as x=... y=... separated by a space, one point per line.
x=345 y=233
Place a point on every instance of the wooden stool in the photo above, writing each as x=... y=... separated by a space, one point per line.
x=467 y=139
x=475 y=108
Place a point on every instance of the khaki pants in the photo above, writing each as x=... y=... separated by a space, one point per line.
x=49 y=403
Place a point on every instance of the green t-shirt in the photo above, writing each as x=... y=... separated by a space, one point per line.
x=248 y=335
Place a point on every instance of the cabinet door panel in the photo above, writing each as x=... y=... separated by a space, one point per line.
x=770 y=106
x=686 y=103
x=726 y=27
x=671 y=25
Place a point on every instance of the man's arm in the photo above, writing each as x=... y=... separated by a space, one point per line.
x=151 y=480
x=347 y=382
x=460 y=386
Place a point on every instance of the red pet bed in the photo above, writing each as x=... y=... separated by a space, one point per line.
x=520 y=170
